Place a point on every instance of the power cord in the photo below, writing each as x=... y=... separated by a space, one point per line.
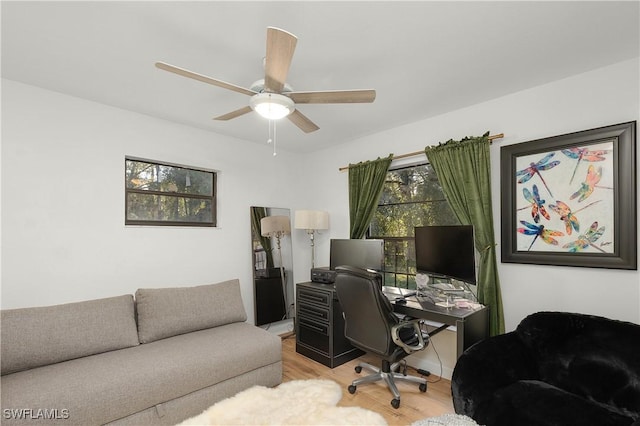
x=426 y=373
x=439 y=362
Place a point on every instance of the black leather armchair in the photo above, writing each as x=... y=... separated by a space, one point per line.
x=371 y=325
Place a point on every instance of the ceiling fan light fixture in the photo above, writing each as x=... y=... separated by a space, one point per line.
x=272 y=106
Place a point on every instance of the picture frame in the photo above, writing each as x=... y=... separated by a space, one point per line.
x=570 y=200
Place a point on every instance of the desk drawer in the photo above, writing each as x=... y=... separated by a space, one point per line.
x=313 y=334
x=313 y=312
x=316 y=297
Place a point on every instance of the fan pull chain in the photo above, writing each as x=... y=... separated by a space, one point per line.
x=274 y=139
x=272 y=135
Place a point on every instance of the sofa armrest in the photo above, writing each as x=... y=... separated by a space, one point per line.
x=487 y=366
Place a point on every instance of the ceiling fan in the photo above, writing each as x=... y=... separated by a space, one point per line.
x=272 y=97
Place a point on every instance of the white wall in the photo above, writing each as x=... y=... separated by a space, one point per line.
x=63 y=235
x=602 y=97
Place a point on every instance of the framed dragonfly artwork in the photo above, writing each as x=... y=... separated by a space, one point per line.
x=570 y=200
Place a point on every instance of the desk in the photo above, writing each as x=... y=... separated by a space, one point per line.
x=320 y=325
x=472 y=325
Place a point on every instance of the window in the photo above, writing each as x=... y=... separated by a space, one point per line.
x=412 y=196
x=168 y=195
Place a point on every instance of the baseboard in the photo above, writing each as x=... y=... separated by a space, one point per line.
x=433 y=368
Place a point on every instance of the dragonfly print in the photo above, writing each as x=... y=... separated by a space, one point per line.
x=586 y=188
x=535 y=169
x=557 y=189
x=586 y=240
x=584 y=154
x=537 y=204
x=567 y=216
x=539 y=231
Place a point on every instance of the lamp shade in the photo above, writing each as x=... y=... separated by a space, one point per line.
x=311 y=219
x=275 y=225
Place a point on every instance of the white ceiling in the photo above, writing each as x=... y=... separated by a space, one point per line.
x=423 y=58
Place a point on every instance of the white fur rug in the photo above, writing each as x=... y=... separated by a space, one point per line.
x=446 y=420
x=299 y=402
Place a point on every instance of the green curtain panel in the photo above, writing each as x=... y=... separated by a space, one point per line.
x=366 y=180
x=464 y=171
x=257 y=213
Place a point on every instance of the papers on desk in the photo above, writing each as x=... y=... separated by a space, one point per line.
x=396 y=292
x=446 y=304
x=459 y=303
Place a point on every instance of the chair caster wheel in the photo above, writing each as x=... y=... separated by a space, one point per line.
x=423 y=387
x=395 y=403
x=351 y=389
x=358 y=369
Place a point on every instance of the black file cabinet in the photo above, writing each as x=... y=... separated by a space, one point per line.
x=320 y=325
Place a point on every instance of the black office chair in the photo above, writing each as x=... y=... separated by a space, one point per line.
x=371 y=325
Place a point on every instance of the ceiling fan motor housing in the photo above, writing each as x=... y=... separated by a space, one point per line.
x=258 y=86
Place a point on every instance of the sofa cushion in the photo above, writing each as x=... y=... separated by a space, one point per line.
x=166 y=312
x=106 y=387
x=32 y=337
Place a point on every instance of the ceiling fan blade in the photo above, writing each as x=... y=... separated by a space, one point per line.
x=333 y=97
x=280 y=47
x=300 y=120
x=234 y=114
x=203 y=78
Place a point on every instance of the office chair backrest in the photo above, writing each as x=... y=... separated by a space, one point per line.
x=368 y=313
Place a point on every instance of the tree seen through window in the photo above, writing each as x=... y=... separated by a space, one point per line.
x=412 y=196
x=161 y=194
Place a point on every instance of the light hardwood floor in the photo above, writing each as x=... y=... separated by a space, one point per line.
x=414 y=405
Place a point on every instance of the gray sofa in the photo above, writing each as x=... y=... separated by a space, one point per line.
x=159 y=359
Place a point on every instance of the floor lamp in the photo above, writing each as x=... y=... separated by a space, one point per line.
x=312 y=220
x=277 y=227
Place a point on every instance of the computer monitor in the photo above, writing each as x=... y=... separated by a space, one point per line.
x=446 y=252
x=366 y=254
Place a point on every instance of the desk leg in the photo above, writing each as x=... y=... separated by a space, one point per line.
x=471 y=330
x=460 y=337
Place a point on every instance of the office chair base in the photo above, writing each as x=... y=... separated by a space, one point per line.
x=389 y=375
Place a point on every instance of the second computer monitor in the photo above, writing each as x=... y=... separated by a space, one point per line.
x=366 y=254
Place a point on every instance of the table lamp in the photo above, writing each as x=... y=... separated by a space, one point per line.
x=311 y=221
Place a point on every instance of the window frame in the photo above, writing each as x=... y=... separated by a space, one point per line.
x=212 y=198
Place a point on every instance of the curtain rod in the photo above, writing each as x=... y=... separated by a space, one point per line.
x=412 y=154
